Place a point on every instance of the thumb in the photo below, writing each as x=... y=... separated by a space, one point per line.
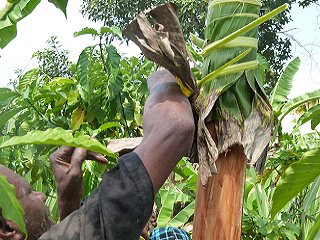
x=78 y=157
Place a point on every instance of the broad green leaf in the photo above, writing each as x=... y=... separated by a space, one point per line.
x=166 y=210
x=315 y=230
x=61 y=81
x=284 y=85
x=113 y=30
x=85 y=88
x=11 y=207
x=262 y=201
x=86 y=31
x=310 y=140
x=61 y=4
x=298 y=101
x=105 y=126
x=315 y=120
x=296 y=177
x=59 y=137
x=312 y=195
x=27 y=79
x=6 y=115
x=8 y=24
x=77 y=118
x=311 y=114
x=7 y=95
x=83 y=63
x=183 y=216
x=113 y=56
x=196 y=40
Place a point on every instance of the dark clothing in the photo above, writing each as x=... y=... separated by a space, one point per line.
x=117 y=210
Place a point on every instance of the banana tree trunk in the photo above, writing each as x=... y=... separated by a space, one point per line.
x=219 y=204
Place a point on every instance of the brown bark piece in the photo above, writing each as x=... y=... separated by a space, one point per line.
x=218 y=211
x=124 y=145
x=219 y=203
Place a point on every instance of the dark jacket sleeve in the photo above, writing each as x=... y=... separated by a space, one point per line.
x=118 y=209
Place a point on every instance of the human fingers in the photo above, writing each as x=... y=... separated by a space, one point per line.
x=62 y=154
x=77 y=158
x=153 y=220
x=96 y=157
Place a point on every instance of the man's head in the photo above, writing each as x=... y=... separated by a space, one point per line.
x=36 y=214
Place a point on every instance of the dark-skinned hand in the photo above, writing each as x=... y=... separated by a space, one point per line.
x=66 y=163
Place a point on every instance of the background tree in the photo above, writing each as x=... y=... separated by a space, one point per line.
x=54 y=61
x=273 y=45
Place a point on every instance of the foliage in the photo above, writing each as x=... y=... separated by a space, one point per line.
x=256 y=221
x=54 y=61
x=176 y=199
x=16 y=10
x=273 y=44
x=11 y=208
x=293 y=161
x=284 y=85
x=59 y=137
x=104 y=99
x=102 y=96
x=61 y=4
x=120 y=13
x=296 y=178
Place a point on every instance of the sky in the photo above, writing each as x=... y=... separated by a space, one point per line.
x=46 y=21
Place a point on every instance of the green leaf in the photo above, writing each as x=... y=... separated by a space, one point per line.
x=11 y=207
x=59 y=137
x=182 y=217
x=311 y=197
x=166 y=210
x=309 y=140
x=284 y=85
x=311 y=114
x=77 y=118
x=315 y=230
x=113 y=30
x=113 y=56
x=83 y=63
x=8 y=24
x=5 y=116
x=86 y=31
x=7 y=95
x=61 y=4
x=27 y=79
x=296 y=177
x=298 y=101
x=105 y=126
x=315 y=120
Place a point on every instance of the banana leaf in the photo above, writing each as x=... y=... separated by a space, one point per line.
x=235 y=100
x=230 y=94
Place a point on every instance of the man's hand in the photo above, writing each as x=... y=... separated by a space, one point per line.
x=152 y=223
x=66 y=163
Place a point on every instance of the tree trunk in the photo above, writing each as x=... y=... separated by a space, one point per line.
x=218 y=211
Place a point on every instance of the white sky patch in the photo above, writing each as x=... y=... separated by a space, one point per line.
x=33 y=32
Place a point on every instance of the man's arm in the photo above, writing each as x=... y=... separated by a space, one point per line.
x=168 y=127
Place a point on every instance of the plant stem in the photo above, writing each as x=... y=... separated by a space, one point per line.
x=218 y=44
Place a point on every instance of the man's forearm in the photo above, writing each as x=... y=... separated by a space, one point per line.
x=66 y=207
x=168 y=128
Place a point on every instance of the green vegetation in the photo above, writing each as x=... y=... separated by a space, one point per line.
x=102 y=96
